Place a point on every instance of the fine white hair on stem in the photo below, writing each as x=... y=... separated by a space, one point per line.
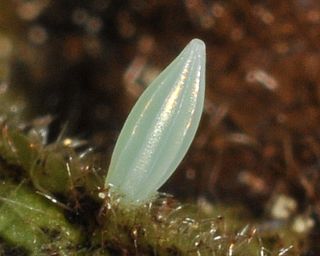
x=160 y=127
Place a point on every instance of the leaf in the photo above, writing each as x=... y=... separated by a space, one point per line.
x=32 y=222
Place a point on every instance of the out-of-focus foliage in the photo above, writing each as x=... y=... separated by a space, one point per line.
x=30 y=221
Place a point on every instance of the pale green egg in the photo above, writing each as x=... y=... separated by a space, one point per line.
x=160 y=127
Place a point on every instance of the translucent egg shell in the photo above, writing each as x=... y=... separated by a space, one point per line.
x=160 y=127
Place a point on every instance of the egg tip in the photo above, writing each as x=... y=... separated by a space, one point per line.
x=198 y=44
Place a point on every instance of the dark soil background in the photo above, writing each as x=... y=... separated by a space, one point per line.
x=85 y=63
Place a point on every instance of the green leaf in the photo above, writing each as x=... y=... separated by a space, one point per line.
x=34 y=223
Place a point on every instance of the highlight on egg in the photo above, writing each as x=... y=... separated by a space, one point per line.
x=160 y=128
